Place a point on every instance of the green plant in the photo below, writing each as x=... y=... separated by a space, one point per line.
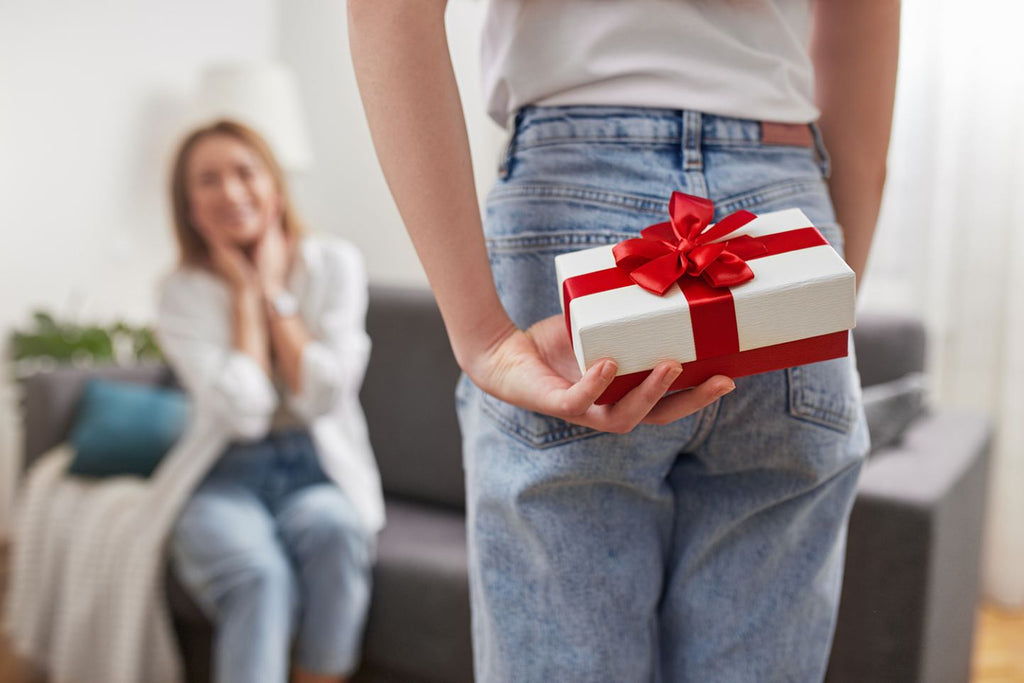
x=66 y=342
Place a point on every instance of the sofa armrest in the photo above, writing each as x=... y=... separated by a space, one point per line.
x=912 y=565
x=932 y=458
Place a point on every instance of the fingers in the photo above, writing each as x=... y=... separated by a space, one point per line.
x=676 y=406
x=580 y=396
x=646 y=403
x=231 y=263
x=632 y=408
x=272 y=255
x=520 y=372
x=220 y=248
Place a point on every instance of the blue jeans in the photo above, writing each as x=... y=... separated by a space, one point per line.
x=272 y=551
x=707 y=550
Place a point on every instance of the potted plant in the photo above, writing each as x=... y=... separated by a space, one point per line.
x=49 y=341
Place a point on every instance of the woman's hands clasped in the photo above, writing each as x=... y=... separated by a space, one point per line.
x=265 y=270
x=536 y=369
x=272 y=257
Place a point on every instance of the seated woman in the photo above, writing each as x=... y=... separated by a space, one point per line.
x=264 y=326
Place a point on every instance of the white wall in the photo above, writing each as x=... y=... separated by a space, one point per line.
x=90 y=98
x=345 y=192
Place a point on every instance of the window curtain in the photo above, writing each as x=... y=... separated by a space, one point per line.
x=950 y=240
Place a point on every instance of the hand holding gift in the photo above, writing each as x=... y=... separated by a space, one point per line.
x=536 y=369
x=747 y=295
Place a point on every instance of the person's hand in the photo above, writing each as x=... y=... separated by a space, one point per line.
x=231 y=263
x=536 y=369
x=272 y=258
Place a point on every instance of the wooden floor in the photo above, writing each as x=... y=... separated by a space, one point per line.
x=999 y=647
x=998 y=651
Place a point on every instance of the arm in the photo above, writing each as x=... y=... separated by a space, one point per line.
x=288 y=339
x=268 y=273
x=218 y=368
x=854 y=48
x=247 y=329
x=405 y=77
x=315 y=371
x=332 y=364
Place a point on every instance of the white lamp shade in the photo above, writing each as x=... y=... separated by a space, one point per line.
x=264 y=96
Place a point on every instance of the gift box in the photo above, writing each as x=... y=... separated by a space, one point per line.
x=750 y=294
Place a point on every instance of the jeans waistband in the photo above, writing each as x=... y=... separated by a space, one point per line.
x=536 y=125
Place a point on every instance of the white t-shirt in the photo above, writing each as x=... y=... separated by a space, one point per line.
x=742 y=58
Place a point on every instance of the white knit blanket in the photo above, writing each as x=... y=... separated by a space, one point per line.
x=86 y=596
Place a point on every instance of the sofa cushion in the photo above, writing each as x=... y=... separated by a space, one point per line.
x=125 y=428
x=409 y=398
x=419 y=622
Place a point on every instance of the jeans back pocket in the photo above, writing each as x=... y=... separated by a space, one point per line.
x=531 y=428
x=824 y=393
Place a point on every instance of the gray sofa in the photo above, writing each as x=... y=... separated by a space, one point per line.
x=911 y=573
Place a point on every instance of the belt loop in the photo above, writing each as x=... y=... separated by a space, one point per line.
x=824 y=161
x=505 y=163
x=693 y=157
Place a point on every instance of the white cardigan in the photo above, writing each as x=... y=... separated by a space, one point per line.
x=194 y=328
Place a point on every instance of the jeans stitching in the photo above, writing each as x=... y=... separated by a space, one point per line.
x=535 y=438
x=647 y=141
x=536 y=241
x=803 y=407
x=708 y=416
x=657 y=207
x=757 y=145
x=598 y=139
x=774 y=192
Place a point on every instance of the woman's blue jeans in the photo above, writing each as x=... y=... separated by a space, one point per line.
x=709 y=550
x=273 y=552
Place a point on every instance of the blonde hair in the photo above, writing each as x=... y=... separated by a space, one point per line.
x=192 y=248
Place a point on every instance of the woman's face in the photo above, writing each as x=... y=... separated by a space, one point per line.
x=231 y=192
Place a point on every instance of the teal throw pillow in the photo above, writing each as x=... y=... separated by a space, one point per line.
x=125 y=428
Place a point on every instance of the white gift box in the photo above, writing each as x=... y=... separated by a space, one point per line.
x=797 y=309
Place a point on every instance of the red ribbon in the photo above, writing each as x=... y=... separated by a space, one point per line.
x=712 y=312
x=668 y=252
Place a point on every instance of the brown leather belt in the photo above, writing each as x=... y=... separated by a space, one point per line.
x=794 y=134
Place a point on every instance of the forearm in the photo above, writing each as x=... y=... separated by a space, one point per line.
x=408 y=88
x=855 y=47
x=248 y=328
x=288 y=338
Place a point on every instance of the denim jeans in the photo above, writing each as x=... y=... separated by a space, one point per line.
x=707 y=550
x=272 y=551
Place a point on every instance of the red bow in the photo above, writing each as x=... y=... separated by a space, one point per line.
x=667 y=252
